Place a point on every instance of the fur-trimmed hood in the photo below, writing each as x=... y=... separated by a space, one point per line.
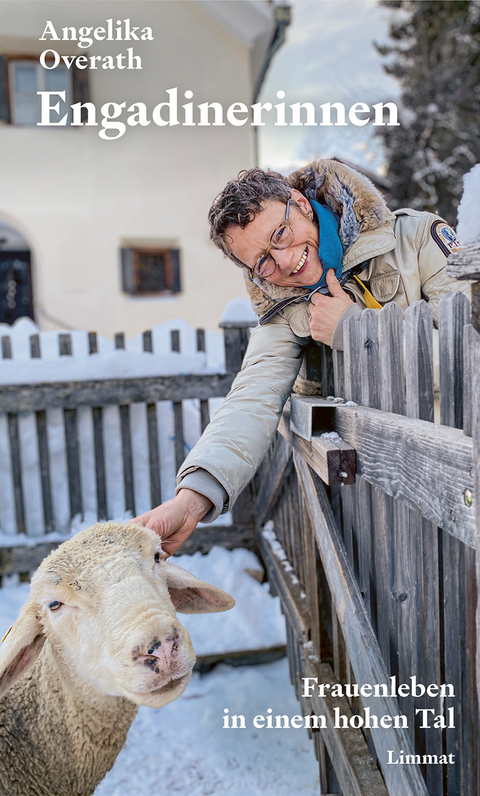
x=362 y=210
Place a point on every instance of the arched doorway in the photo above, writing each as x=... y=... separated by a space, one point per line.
x=16 y=297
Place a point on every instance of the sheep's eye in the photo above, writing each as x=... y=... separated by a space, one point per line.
x=55 y=605
x=156 y=557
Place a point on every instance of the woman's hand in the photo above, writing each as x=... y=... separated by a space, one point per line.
x=326 y=310
x=175 y=520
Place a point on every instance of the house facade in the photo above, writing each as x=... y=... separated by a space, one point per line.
x=119 y=123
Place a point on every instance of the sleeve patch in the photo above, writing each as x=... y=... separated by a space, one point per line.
x=445 y=237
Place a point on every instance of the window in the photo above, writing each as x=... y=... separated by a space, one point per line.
x=22 y=77
x=25 y=78
x=149 y=270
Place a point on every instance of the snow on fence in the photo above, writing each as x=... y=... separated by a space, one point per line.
x=91 y=429
x=375 y=567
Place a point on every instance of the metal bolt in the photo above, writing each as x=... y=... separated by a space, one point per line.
x=472 y=472
x=453 y=515
x=468 y=498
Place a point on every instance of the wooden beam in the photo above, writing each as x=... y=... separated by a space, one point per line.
x=423 y=464
x=26 y=558
x=16 y=398
x=272 y=479
x=354 y=767
x=362 y=645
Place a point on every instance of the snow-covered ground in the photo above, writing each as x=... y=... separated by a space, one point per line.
x=183 y=748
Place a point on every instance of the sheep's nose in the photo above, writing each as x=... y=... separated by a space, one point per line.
x=159 y=653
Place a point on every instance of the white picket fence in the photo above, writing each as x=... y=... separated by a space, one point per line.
x=31 y=357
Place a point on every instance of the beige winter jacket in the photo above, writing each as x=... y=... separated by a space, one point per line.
x=408 y=252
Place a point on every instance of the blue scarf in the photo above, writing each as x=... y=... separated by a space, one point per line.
x=330 y=249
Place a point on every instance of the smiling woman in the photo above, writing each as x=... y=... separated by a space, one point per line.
x=337 y=227
x=292 y=250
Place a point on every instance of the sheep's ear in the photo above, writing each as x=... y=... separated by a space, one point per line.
x=190 y=595
x=21 y=647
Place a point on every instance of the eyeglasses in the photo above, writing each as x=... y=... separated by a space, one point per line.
x=281 y=238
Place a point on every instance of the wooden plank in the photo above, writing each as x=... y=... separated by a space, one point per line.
x=425 y=465
x=361 y=642
x=65 y=344
x=153 y=456
x=23 y=558
x=272 y=479
x=471 y=343
x=465 y=263
x=205 y=663
x=328 y=384
x=178 y=431
x=105 y=392
x=16 y=464
x=352 y=375
x=43 y=454
x=73 y=462
x=347 y=749
x=382 y=525
x=419 y=363
x=476 y=471
x=365 y=543
x=407 y=615
x=127 y=459
x=294 y=606
x=369 y=359
x=471 y=751
x=100 y=473
x=390 y=339
x=204 y=415
x=338 y=373
x=333 y=461
x=454 y=645
x=453 y=315
x=432 y=644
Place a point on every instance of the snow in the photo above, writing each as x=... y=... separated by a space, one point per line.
x=468 y=227
x=184 y=746
x=239 y=310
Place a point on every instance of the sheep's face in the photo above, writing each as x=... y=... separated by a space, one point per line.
x=106 y=603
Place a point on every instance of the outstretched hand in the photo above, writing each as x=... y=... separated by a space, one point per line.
x=326 y=310
x=175 y=520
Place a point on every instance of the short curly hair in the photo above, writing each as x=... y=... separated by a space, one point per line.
x=241 y=200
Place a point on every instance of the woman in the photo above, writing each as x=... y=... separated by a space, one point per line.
x=315 y=249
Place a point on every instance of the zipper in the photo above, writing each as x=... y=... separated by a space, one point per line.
x=280 y=305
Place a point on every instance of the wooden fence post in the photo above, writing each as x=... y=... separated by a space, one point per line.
x=465 y=264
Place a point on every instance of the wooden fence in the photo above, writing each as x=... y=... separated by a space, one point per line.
x=76 y=421
x=376 y=569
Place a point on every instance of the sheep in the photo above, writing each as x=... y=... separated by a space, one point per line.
x=97 y=637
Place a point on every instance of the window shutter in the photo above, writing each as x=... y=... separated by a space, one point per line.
x=4 y=109
x=128 y=277
x=175 y=255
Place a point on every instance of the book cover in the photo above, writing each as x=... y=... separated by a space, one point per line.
x=122 y=326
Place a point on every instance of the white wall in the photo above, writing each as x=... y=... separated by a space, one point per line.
x=76 y=198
